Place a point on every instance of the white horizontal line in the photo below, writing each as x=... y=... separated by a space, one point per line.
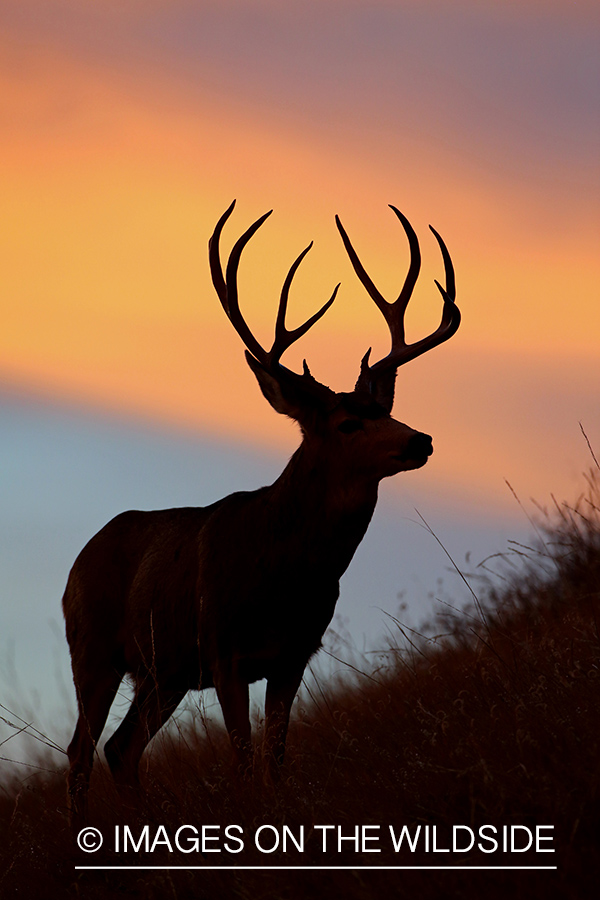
x=325 y=868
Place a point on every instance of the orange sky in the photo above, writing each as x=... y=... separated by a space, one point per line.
x=112 y=176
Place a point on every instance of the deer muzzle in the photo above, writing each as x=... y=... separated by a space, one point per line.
x=419 y=447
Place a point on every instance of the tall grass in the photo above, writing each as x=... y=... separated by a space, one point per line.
x=495 y=723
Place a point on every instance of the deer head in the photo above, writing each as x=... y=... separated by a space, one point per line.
x=356 y=426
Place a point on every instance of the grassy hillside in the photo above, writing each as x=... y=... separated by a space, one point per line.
x=496 y=724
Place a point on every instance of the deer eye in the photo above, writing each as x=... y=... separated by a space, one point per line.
x=348 y=426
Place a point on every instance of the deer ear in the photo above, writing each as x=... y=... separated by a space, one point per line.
x=270 y=387
x=286 y=397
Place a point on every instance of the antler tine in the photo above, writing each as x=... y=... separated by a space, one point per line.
x=284 y=338
x=360 y=270
x=414 y=268
x=215 y=259
x=226 y=288
x=234 y=312
x=450 y=291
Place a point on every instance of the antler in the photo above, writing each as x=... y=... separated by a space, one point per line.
x=384 y=370
x=226 y=288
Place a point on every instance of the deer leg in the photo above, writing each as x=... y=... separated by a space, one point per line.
x=149 y=710
x=281 y=690
x=95 y=694
x=234 y=698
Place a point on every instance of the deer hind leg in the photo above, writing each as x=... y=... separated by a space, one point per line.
x=152 y=705
x=95 y=693
x=234 y=698
x=281 y=690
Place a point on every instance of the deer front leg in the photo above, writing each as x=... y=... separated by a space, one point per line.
x=281 y=690
x=234 y=698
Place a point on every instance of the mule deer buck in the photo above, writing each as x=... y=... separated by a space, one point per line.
x=227 y=594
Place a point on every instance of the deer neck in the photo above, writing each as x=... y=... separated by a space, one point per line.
x=328 y=513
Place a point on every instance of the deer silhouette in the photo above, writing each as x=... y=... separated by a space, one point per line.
x=243 y=589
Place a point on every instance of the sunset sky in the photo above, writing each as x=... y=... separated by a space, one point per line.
x=128 y=128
